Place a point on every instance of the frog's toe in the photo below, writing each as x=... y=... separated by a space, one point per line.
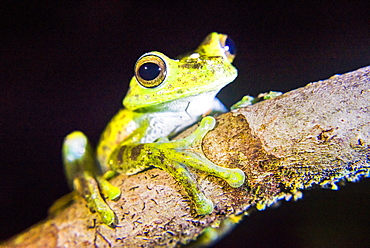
x=107 y=216
x=208 y=123
x=109 y=191
x=114 y=193
x=105 y=213
x=236 y=178
x=204 y=207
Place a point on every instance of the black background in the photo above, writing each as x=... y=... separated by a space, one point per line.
x=66 y=66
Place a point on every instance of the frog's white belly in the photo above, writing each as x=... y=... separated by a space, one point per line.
x=169 y=123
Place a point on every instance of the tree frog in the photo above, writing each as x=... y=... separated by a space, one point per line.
x=165 y=96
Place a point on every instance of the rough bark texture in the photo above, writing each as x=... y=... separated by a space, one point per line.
x=315 y=135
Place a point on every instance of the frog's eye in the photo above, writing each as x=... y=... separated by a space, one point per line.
x=150 y=71
x=229 y=47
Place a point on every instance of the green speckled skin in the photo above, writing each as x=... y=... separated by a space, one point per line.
x=137 y=137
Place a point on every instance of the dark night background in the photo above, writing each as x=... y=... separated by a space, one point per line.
x=66 y=66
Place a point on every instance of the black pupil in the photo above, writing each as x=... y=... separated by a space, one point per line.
x=149 y=71
x=230 y=46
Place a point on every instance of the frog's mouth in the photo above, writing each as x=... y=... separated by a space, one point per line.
x=194 y=105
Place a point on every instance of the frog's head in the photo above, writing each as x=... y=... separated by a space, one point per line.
x=159 y=80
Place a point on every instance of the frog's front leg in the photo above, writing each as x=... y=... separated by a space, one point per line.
x=84 y=175
x=250 y=100
x=173 y=157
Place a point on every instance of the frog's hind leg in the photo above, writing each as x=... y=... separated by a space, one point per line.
x=178 y=171
x=187 y=153
x=84 y=175
x=187 y=149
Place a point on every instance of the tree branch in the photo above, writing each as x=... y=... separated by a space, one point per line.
x=315 y=135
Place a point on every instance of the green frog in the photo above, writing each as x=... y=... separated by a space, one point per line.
x=165 y=97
